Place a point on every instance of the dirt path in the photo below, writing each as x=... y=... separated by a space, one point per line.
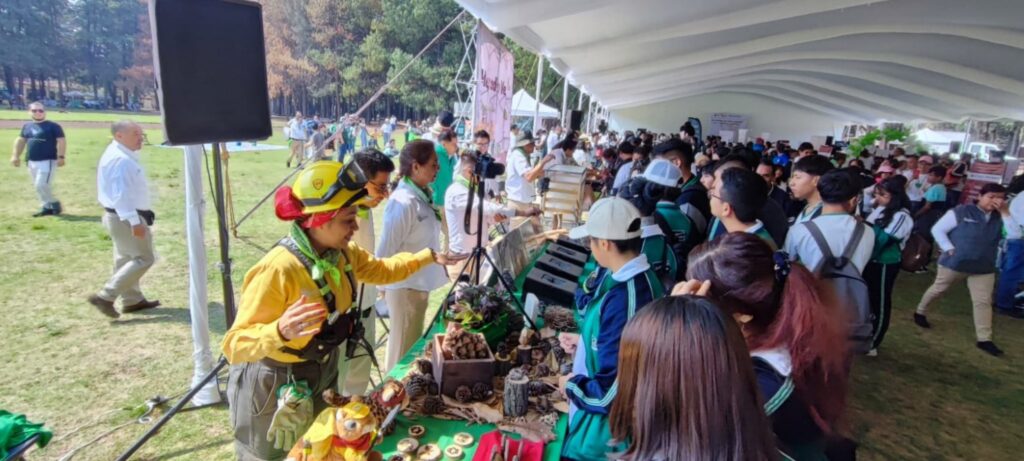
x=17 y=124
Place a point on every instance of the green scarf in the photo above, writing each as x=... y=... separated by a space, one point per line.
x=327 y=265
x=425 y=195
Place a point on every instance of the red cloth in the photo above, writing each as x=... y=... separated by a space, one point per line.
x=361 y=444
x=532 y=451
x=289 y=208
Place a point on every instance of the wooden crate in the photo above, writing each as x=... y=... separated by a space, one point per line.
x=450 y=374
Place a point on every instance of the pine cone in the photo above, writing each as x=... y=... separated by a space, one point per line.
x=463 y=394
x=425 y=366
x=559 y=353
x=432 y=405
x=538 y=388
x=415 y=388
x=432 y=389
x=481 y=391
x=542 y=370
x=565 y=369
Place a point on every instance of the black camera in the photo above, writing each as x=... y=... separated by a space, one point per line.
x=487 y=168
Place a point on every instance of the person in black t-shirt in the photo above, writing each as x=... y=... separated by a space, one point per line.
x=46 y=152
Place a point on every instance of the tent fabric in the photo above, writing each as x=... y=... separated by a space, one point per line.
x=523 y=105
x=860 y=61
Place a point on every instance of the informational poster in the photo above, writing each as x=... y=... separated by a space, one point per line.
x=493 y=102
x=727 y=122
x=981 y=173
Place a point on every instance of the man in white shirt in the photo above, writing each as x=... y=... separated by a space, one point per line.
x=968 y=238
x=124 y=194
x=840 y=194
x=378 y=168
x=456 y=201
x=554 y=138
x=519 y=173
x=296 y=138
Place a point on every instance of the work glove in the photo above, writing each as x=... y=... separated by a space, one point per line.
x=293 y=416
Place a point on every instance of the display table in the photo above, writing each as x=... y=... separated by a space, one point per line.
x=440 y=431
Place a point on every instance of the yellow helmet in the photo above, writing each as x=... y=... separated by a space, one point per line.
x=328 y=186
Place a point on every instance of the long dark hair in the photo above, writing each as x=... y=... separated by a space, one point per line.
x=793 y=311
x=687 y=389
x=895 y=186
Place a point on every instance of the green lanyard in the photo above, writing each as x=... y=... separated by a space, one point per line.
x=462 y=180
x=422 y=194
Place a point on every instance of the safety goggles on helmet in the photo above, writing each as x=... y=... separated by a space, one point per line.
x=327 y=186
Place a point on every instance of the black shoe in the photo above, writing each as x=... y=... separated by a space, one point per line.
x=921 y=320
x=1014 y=312
x=46 y=211
x=56 y=208
x=105 y=307
x=288 y=164
x=990 y=347
x=140 y=306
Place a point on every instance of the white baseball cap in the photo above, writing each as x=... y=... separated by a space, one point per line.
x=611 y=218
x=663 y=172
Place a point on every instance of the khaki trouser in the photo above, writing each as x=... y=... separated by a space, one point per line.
x=407 y=310
x=980 y=286
x=252 y=389
x=297 y=147
x=132 y=258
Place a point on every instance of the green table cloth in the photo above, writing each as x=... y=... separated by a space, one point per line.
x=440 y=431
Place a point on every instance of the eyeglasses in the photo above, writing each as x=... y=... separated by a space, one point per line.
x=711 y=194
x=382 y=188
x=39 y=111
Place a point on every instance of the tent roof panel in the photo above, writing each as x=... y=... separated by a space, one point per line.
x=873 y=59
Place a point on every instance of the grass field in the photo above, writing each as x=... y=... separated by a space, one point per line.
x=930 y=395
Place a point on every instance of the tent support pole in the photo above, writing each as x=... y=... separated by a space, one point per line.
x=540 y=81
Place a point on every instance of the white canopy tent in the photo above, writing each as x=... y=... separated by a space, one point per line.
x=523 y=105
x=794 y=67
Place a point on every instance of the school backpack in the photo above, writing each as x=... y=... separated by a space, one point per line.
x=916 y=253
x=849 y=285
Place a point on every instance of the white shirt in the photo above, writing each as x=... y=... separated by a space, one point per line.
x=364 y=237
x=837 y=229
x=410 y=225
x=296 y=130
x=1016 y=215
x=946 y=224
x=516 y=185
x=553 y=139
x=899 y=226
x=917 y=187
x=455 y=200
x=583 y=158
x=121 y=183
x=622 y=176
x=559 y=159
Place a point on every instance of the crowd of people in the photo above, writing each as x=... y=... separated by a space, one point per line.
x=735 y=283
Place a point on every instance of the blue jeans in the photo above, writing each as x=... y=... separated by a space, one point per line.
x=1011 y=273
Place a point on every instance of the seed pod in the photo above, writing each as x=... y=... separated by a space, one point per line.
x=463 y=394
x=425 y=366
x=432 y=405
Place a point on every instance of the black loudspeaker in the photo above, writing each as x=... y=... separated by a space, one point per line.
x=567 y=254
x=549 y=287
x=829 y=140
x=573 y=244
x=211 y=68
x=559 y=267
x=575 y=120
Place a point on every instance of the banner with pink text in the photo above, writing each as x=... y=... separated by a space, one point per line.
x=493 y=102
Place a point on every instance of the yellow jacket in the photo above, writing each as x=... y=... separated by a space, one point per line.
x=279 y=279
